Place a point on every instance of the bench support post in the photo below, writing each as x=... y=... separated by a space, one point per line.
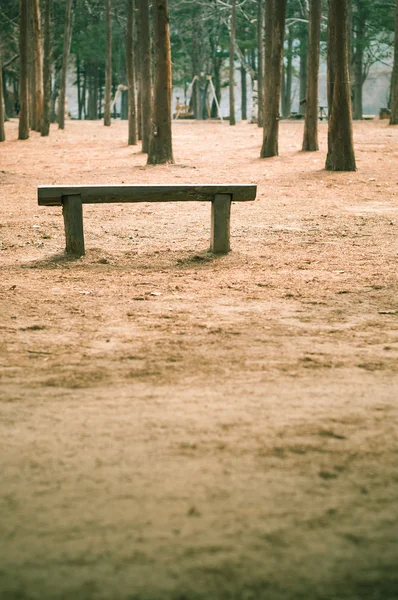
x=220 y=224
x=72 y=210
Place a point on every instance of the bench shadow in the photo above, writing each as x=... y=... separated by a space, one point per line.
x=148 y=261
x=199 y=258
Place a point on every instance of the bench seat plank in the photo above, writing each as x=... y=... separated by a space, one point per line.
x=51 y=195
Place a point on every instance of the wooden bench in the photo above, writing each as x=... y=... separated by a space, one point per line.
x=72 y=198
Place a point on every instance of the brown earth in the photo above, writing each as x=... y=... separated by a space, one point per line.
x=179 y=426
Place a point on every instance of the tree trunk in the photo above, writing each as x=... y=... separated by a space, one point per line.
x=31 y=68
x=310 y=139
x=275 y=31
x=45 y=123
x=243 y=76
x=217 y=89
x=358 y=60
x=54 y=96
x=108 y=67
x=260 y=64
x=8 y=109
x=196 y=97
x=92 y=75
x=145 y=72
x=340 y=140
x=232 y=120
x=99 y=96
x=2 y=112
x=160 y=150
x=38 y=79
x=23 y=128
x=130 y=66
x=350 y=37
x=287 y=75
x=268 y=26
x=394 y=76
x=79 y=87
x=124 y=108
x=137 y=47
x=303 y=65
x=84 y=93
x=65 y=57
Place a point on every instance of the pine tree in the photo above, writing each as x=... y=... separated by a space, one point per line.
x=340 y=155
x=310 y=140
x=160 y=150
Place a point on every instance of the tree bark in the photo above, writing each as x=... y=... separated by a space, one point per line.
x=8 y=108
x=38 y=79
x=137 y=47
x=303 y=65
x=160 y=150
x=31 y=68
x=350 y=36
x=108 y=66
x=79 y=87
x=358 y=59
x=340 y=155
x=45 y=123
x=145 y=75
x=232 y=120
x=65 y=57
x=394 y=76
x=310 y=139
x=23 y=128
x=2 y=112
x=243 y=76
x=54 y=95
x=260 y=64
x=197 y=33
x=268 y=26
x=275 y=31
x=287 y=76
x=130 y=66
x=92 y=80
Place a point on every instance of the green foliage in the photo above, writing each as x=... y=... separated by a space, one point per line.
x=199 y=34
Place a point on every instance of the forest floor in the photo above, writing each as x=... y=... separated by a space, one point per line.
x=179 y=426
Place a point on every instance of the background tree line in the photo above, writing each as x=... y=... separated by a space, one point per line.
x=112 y=50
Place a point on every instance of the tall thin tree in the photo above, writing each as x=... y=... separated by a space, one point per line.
x=31 y=68
x=310 y=139
x=287 y=77
x=260 y=62
x=340 y=155
x=243 y=88
x=160 y=149
x=37 y=63
x=394 y=76
x=130 y=66
x=360 y=28
x=45 y=122
x=275 y=31
x=65 y=58
x=232 y=120
x=2 y=112
x=145 y=72
x=108 y=66
x=23 y=127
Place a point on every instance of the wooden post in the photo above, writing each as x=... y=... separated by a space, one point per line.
x=72 y=210
x=220 y=223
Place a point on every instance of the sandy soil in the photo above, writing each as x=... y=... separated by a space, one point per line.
x=179 y=426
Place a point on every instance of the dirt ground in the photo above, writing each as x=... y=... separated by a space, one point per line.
x=178 y=426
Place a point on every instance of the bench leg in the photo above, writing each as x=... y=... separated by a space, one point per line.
x=220 y=223
x=72 y=210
